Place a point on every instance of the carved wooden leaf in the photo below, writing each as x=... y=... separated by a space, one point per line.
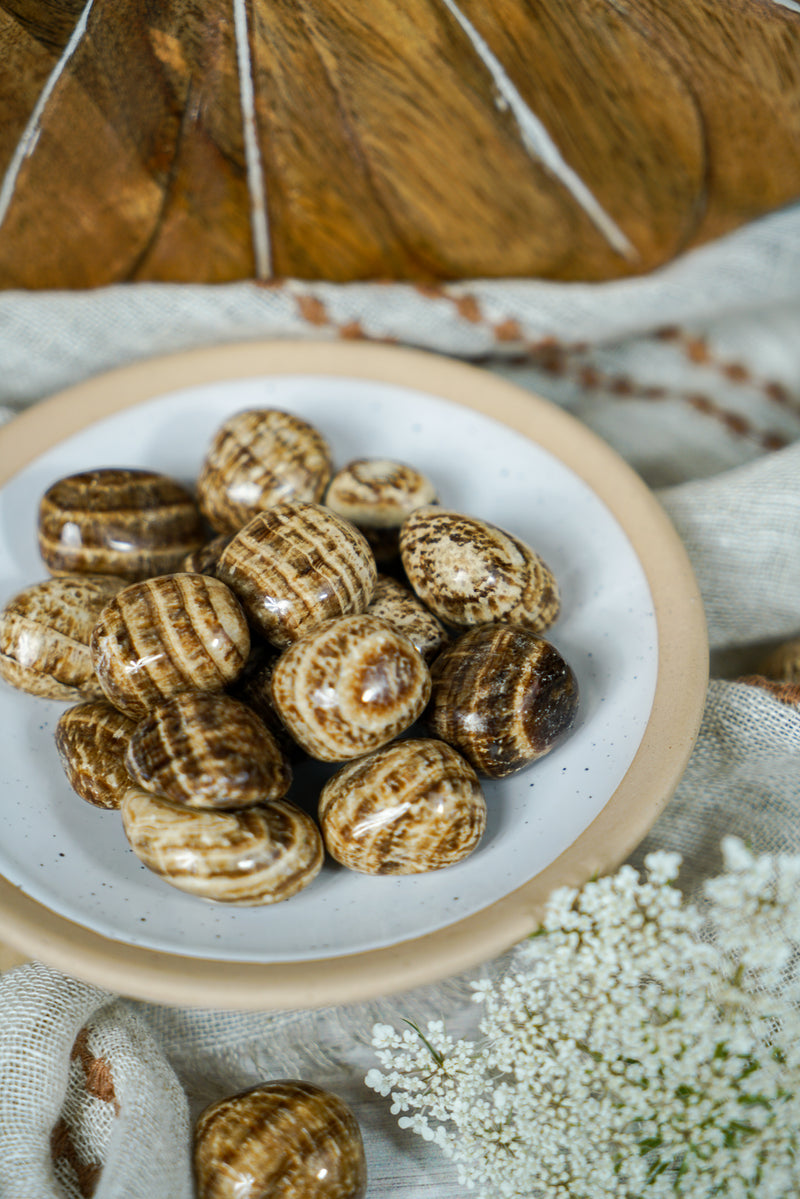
x=380 y=139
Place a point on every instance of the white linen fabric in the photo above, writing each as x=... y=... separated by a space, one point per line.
x=693 y=375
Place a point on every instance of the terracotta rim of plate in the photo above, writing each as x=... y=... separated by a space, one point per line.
x=651 y=779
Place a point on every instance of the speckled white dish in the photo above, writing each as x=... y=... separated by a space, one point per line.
x=69 y=866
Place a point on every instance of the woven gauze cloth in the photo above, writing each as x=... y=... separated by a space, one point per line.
x=693 y=375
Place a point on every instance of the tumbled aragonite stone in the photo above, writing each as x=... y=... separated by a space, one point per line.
x=157 y=638
x=295 y=566
x=207 y=750
x=45 y=633
x=118 y=521
x=279 y=1140
x=350 y=686
x=377 y=494
x=259 y=458
x=410 y=807
x=407 y=614
x=469 y=572
x=92 y=739
x=254 y=688
x=203 y=561
x=502 y=696
x=248 y=858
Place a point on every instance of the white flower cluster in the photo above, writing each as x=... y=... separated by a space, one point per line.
x=641 y=1047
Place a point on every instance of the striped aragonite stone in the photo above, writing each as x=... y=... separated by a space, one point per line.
x=295 y=566
x=349 y=687
x=377 y=494
x=254 y=688
x=410 y=807
x=118 y=521
x=259 y=458
x=92 y=740
x=207 y=750
x=252 y=857
x=203 y=561
x=283 y=1140
x=469 y=572
x=406 y=613
x=163 y=636
x=45 y=635
x=502 y=697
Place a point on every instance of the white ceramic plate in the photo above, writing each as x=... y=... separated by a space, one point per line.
x=72 y=861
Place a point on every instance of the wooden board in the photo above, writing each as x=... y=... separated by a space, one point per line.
x=366 y=139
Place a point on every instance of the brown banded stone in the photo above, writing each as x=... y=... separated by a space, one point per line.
x=350 y=686
x=469 y=572
x=203 y=561
x=501 y=696
x=410 y=807
x=377 y=494
x=163 y=636
x=255 y=856
x=45 y=633
x=406 y=613
x=207 y=751
x=295 y=566
x=284 y=1139
x=254 y=688
x=91 y=740
x=118 y=521
x=259 y=458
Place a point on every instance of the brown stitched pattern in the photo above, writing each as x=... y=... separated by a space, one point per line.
x=98 y=1082
x=429 y=291
x=62 y=1149
x=313 y=310
x=778 y=393
x=591 y=378
x=469 y=308
x=785 y=693
x=549 y=355
x=698 y=351
x=508 y=330
x=352 y=331
x=99 y=1078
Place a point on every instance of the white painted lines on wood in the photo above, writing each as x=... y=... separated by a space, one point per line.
x=538 y=142
x=30 y=135
x=259 y=218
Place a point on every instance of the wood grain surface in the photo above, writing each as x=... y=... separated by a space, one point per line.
x=367 y=139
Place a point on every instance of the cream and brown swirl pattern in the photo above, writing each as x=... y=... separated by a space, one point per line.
x=163 y=636
x=469 y=572
x=502 y=696
x=377 y=494
x=256 y=856
x=206 y=750
x=409 y=616
x=45 y=636
x=295 y=566
x=259 y=458
x=285 y=1139
x=92 y=739
x=118 y=521
x=349 y=687
x=411 y=807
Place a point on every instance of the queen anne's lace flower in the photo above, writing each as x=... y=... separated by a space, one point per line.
x=642 y=1047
